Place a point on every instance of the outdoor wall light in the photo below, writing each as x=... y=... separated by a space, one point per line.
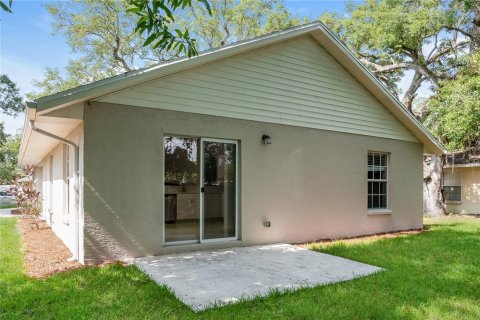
x=267 y=223
x=266 y=139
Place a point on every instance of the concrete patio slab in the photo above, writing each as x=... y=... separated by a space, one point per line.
x=205 y=278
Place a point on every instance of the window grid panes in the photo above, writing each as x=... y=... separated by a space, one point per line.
x=452 y=185
x=377 y=180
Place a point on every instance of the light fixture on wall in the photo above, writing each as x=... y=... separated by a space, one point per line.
x=266 y=139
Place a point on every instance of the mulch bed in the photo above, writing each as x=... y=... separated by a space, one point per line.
x=45 y=253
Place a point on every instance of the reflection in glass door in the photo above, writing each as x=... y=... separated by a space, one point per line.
x=182 y=190
x=218 y=180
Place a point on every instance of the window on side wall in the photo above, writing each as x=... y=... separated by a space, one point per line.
x=377 y=180
x=452 y=186
x=66 y=177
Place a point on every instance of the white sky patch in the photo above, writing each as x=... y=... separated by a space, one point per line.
x=43 y=22
x=21 y=72
x=423 y=91
x=12 y=125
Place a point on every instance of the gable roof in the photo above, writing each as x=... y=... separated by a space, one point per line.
x=317 y=30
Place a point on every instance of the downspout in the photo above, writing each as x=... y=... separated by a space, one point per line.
x=76 y=173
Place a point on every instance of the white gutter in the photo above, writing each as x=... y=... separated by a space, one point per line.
x=76 y=173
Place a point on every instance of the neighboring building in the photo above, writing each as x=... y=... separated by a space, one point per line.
x=461 y=182
x=282 y=138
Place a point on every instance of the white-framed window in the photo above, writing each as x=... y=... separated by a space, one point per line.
x=377 y=180
x=66 y=177
x=452 y=186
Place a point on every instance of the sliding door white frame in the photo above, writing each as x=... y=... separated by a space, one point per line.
x=202 y=194
x=202 y=200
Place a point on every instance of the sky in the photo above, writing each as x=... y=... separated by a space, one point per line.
x=27 y=44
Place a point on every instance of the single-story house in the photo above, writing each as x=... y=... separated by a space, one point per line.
x=286 y=137
x=461 y=182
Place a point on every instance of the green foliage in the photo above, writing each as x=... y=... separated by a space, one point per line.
x=235 y=20
x=3 y=135
x=433 y=275
x=26 y=195
x=432 y=38
x=53 y=81
x=102 y=35
x=395 y=26
x=394 y=36
x=9 y=147
x=453 y=113
x=180 y=164
x=6 y=6
x=155 y=19
x=10 y=98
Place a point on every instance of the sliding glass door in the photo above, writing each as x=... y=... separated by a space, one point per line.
x=201 y=186
x=182 y=190
x=219 y=189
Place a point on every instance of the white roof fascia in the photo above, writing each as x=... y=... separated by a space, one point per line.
x=30 y=114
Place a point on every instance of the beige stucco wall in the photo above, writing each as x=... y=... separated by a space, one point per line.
x=309 y=183
x=470 y=203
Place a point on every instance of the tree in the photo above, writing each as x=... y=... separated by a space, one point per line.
x=155 y=18
x=233 y=20
x=9 y=148
x=102 y=35
x=3 y=135
x=453 y=113
x=10 y=99
x=391 y=37
x=429 y=38
x=11 y=104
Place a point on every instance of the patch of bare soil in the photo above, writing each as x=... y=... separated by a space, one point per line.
x=45 y=253
x=370 y=237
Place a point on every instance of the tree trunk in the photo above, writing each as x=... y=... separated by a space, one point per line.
x=411 y=93
x=433 y=204
x=475 y=44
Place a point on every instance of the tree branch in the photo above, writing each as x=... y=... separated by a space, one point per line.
x=117 y=56
x=377 y=68
x=465 y=33
x=446 y=50
x=411 y=92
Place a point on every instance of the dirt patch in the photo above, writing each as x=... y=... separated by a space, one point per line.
x=45 y=253
x=368 y=237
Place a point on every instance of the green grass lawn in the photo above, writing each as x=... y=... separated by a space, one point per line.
x=7 y=206
x=433 y=275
